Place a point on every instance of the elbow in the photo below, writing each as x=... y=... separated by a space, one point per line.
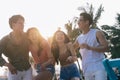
x=104 y=49
x=75 y=58
x=52 y=61
x=107 y=48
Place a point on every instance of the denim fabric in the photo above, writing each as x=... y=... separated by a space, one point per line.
x=50 y=68
x=38 y=68
x=69 y=72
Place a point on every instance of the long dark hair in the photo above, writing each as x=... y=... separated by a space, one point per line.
x=54 y=45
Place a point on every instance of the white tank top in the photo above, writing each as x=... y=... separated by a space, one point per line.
x=91 y=60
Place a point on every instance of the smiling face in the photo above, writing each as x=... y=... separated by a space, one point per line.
x=33 y=35
x=82 y=23
x=85 y=21
x=60 y=37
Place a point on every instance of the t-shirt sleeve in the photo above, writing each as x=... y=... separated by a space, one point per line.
x=2 y=47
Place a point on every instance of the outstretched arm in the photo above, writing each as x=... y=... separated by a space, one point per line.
x=76 y=45
x=73 y=56
x=49 y=55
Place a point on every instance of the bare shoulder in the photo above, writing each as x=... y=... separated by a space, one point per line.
x=45 y=44
x=101 y=37
x=99 y=33
x=69 y=45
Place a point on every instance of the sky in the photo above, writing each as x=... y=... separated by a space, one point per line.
x=48 y=15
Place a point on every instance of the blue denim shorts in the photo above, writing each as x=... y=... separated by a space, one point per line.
x=69 y=72
x=50 y=68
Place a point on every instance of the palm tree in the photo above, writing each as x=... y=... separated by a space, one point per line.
x=114 y=37
x=71 y=27
x=90 y=9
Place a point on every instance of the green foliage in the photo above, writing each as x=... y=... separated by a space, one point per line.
x=118 y=19
x=114 y=37
x=95 y=15
x=72 y=28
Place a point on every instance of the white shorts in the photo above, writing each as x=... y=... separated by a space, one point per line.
x=21 y=75
x=98 y=75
